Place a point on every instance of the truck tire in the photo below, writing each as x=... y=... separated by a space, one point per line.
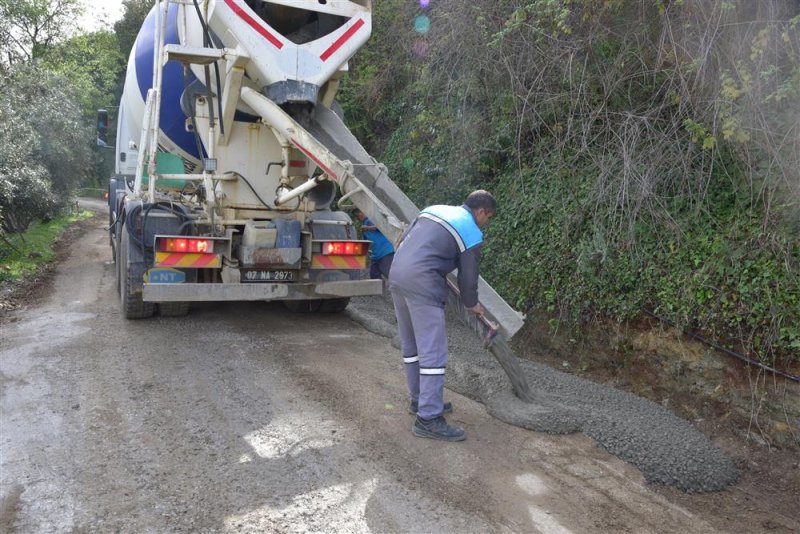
x=111 y=241
x=173 y=309
x=317 y=305
x=133 y=307
x=117 y=269
x=303 y=306
x=334 y=305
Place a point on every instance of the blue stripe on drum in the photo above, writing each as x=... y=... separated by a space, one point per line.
x=173 y=121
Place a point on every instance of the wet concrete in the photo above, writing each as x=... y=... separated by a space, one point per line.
x=665 y=448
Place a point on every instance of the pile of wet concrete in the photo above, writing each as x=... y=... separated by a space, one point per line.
x=665 y=448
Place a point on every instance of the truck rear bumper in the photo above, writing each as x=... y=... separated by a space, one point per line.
x=260 y=291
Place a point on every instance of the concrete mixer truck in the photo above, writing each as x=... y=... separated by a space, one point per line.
x=219 y=193
x=230 y=153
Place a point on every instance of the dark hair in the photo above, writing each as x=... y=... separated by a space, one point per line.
x=481 y=199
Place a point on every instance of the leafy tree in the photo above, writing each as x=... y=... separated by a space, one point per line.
x=30 y=27
x=93 y=64
x=127 y=28
x=384 y=66
x=25 y=192
x=44 y=145
x=51 y=88
x=95 y=68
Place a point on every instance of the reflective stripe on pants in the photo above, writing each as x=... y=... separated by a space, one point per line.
x=422 y=336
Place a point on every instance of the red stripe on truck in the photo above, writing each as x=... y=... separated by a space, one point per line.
x=254 y=23
x=316 y=160
x=341 y=40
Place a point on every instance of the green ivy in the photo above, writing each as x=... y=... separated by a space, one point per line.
x=535 y=101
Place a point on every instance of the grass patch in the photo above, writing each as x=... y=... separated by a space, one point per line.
x=22 y=254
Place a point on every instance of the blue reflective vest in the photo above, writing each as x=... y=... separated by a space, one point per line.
x=459 y=222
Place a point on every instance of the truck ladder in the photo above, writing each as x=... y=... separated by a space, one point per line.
x=148 y=142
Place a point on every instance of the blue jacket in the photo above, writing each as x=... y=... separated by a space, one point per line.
x=380 y=245
x=440 y=239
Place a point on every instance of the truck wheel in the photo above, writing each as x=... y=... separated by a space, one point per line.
x=113 y=248
x=173 y=309
x=334 y=305
x=133 y=307
x=303 y=306
x=117 y=268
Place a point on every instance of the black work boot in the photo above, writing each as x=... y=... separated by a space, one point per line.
x=437 y=428
x=413 y=406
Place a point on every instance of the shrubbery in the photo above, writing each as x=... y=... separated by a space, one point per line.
x=44 y=146
x=52 y=82
x=645 y=154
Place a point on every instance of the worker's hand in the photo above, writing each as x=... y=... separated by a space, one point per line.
x=477 y=309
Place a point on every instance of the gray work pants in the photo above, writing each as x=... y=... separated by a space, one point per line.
x=380 y=268
x=423 y=344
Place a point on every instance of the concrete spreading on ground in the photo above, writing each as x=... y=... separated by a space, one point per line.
x=666 y=449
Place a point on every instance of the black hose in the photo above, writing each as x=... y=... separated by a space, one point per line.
x=146 y=249
x=206 y=36
x=182 y=227
x=206 y=42
x=197 y=139
x=722 y=349
x=219 y=98
x=113 y=224
x=209 y=94
x=132 y=216
x=251 y=189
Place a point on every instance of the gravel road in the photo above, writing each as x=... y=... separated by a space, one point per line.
x=246 y=418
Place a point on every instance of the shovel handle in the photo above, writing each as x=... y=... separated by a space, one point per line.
x=491 y=325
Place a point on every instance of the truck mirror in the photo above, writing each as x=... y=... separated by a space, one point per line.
x=102 y=127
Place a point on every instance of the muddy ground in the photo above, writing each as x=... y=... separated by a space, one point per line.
x=244 y=418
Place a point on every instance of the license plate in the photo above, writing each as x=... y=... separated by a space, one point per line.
x=260 y=275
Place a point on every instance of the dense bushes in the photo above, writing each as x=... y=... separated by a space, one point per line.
x=646 y=154
x=44 y=146
x=719 y=273
x=51 y=84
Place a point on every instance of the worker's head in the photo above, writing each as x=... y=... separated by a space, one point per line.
x=358 y=214
x=483 y=206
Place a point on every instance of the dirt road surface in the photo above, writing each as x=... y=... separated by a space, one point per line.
x=247 y=418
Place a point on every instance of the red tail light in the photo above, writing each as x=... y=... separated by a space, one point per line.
x=343 y=248
x=186 y=244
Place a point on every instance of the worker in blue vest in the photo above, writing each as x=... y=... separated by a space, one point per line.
x=381 y=253
x=440 y=239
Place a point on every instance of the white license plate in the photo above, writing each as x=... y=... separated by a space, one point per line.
x=262 y=275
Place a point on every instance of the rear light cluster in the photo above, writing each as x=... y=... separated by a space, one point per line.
x=343 y=248
x=186 y=244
